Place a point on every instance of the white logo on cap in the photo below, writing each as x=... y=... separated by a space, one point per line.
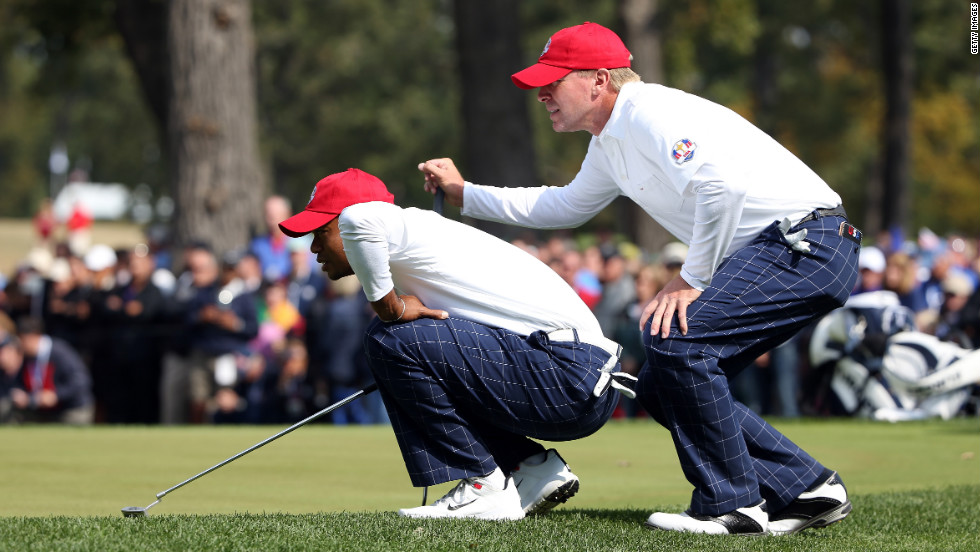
x=546 y=46
x=312 y=195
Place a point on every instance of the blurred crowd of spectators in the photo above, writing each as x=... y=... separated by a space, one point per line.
x=148 y=335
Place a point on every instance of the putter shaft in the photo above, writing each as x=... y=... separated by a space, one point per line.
x=133 y=511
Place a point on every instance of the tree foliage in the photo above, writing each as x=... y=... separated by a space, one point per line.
x=354 y=83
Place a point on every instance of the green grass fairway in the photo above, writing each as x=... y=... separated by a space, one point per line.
x=914 y=486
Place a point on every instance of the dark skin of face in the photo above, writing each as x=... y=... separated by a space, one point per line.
x=329 y=250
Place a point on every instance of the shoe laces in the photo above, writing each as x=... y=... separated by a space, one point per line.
x=458 y=493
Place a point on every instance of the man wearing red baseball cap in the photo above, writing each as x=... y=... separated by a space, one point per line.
x=478 y=348
x=770 y=251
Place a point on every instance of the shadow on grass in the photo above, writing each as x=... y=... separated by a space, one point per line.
x=631 y=515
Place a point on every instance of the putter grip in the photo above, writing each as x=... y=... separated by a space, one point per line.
x=438 y=201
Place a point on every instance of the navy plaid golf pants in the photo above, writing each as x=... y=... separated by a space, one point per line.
x=464 y=398
x=758 y=298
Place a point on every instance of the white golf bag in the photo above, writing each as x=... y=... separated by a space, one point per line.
x=884 y=369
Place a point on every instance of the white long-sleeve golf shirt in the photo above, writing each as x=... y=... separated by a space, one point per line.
x=457 y=268
x=708 y=176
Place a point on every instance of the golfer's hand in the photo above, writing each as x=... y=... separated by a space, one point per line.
x=414 y=309
x=442 y=173
x=673 y=298
x=395 y=309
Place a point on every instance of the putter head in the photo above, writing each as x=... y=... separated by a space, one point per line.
x=134 y=511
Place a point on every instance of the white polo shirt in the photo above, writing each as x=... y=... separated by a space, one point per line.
x=457 y=268
x=708 y=176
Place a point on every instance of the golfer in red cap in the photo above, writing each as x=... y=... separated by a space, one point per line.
x=478 y=348
x=770 y=250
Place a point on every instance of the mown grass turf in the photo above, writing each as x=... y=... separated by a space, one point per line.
x=914 y=485
x=938 y=519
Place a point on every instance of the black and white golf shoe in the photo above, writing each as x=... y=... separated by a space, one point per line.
x=824 y=503
x=749 y=521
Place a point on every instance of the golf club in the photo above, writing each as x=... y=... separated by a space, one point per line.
x=438 y=201
x=136 y=511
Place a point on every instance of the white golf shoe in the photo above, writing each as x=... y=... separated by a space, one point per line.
x=751 y=520
x=475 y=498
x=825 y=502
x=544 y=483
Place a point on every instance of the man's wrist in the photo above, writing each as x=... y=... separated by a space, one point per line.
x=399 y=317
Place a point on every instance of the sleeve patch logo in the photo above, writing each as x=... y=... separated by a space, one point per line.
x=683 y=151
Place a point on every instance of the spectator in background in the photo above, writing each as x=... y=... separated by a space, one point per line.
x=44 y=222
x=306 y=281
x=957 y=289
x=649 y=280
x=932 y=288
x=249 y=270
x=336 y=328
x=95 y=283
x=217 y=318
x=132 y=315
x=969 y=322
x=271 y=249
x=159 y=242
x=784 y=365
x=672 y=257
x=10 y=360
x=774 y=374
x=293 y=393
x=278 y=310
x=583 y=279
x=27 y=287
x=871 y=270
x=79 y=225
x=65 y=310
x=4 y=302
x=902 y=277
x=53 y=384
x=618 y=293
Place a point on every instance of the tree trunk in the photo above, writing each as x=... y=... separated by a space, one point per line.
x=143 y=26
x=497 y=137
x=764 y=66
x=213 y=141
x=641 y=35
x=897 y=59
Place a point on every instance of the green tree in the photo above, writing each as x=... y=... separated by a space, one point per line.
x=356 y=83
x=64 y=77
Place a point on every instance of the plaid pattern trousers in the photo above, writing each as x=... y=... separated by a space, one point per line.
x=465 y=398
x=758 y=298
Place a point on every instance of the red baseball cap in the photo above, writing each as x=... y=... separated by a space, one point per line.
x=332 y=195
x=585 y=46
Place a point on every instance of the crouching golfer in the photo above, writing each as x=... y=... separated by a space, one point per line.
x=478 y=347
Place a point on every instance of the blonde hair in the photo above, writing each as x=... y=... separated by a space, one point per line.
x=617 y=77
x=900 y=273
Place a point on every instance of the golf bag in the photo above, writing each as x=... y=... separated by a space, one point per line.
x=876 y=365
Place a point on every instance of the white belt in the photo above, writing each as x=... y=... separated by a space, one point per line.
x=607 y=378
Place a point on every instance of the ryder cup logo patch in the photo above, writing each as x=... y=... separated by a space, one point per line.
x=683 y=151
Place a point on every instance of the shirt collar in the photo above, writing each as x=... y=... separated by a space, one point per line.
x=616 y=125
